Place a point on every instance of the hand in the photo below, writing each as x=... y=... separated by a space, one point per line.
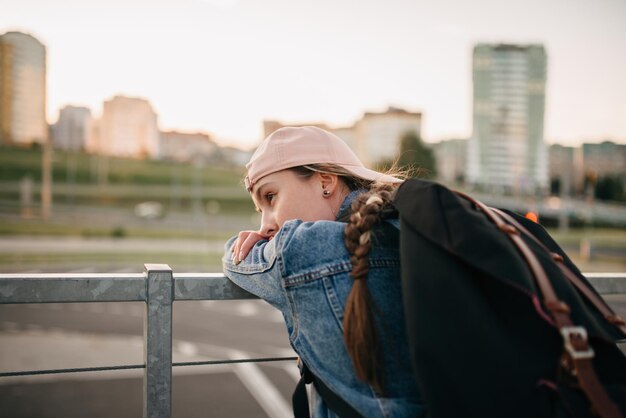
x=244 y=243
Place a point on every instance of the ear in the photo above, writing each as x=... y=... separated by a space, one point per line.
x=328 y=182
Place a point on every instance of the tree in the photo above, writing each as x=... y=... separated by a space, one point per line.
x=414 y=155
x=610 y=188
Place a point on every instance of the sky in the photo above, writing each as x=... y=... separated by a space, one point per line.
x=223 y=66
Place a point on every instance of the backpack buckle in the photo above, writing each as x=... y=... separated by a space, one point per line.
x=568 y=334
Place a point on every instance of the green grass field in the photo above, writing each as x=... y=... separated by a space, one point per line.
x=81 y=168
x=78 y=179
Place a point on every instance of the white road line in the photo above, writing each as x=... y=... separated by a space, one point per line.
x=292 y=370
x=260 y=387
x=246 y=309
x=275 y=316
x=187 y=348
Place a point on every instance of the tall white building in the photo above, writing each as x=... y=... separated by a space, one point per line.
x=127 y=128
x=507 y=150
x=22 y=90
x=73 y=129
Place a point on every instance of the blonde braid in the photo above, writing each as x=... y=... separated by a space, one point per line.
x=359 y=326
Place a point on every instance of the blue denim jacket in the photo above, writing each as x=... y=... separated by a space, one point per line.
x=304 y=272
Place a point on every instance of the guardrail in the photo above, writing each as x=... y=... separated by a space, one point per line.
x=159 y=287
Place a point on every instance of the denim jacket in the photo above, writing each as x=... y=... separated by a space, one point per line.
x=304 y=272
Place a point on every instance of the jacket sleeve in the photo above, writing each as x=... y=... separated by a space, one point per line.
x=260 y=272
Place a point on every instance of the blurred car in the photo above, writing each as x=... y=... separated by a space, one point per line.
x=149 y=210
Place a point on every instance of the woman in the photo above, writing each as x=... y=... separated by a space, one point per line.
x=325 y=257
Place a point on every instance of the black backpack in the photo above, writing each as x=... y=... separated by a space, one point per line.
x=500 y=322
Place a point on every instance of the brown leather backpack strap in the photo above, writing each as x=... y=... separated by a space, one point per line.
x=582 y=287
x=577 y=351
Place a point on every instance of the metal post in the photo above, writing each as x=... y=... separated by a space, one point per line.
x=157 y=382
x=46 y=180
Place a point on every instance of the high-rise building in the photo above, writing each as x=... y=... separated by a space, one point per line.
x=73 y=129
x=22 y=90
x=127 y=128
x=507 y=150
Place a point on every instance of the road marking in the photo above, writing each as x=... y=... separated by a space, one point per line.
x=246 y=309
x=188 y=349
x=260 y=387
x=292 y=370
x=275 y=316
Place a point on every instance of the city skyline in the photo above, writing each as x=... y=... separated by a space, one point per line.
x=224 y=66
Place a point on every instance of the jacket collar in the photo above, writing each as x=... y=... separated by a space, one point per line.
x=344 y=210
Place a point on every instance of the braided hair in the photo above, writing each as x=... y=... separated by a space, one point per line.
x=358 y=322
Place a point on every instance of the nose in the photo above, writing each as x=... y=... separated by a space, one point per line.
x=269 y=227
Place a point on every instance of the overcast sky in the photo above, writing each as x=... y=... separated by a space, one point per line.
x=222 y=66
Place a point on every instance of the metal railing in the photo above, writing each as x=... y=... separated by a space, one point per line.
x=159 y=287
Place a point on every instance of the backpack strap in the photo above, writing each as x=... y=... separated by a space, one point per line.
x=577 y=353
x=300 y=399
x=582 y=287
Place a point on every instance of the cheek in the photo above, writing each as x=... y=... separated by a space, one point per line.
x=310 y=208
x=301 y=206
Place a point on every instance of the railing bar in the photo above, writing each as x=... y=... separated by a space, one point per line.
x=74 y=370
x=246 y=360
x=143 y=366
